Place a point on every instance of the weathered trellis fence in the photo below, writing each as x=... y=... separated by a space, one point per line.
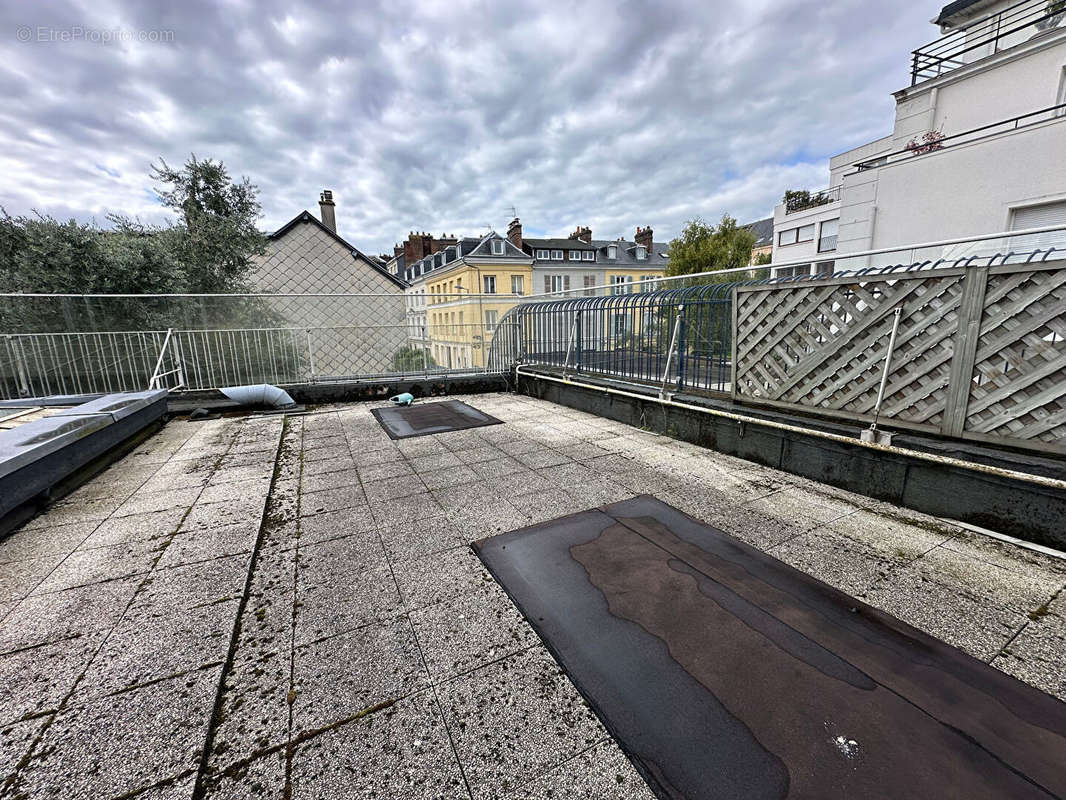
x=980 y=352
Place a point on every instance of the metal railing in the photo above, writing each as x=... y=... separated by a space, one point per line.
x=822 y=197
x=937 y=143
x=985 y=37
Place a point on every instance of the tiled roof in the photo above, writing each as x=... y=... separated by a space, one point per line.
x=558 y=244
x=627 y=253
x=763 y=230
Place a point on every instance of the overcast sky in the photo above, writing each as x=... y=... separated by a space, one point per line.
x=442 y=116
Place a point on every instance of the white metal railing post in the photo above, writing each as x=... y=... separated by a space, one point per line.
x=20 y=366
x=888 y=365
x=152 y=384
x=670 y=353
x=570 y=342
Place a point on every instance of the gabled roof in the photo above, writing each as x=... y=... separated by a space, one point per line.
x=627 y=253
x=467 y=246
x=763 y=230
x=307 y=216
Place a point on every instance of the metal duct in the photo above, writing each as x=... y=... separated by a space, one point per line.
x=261 y=394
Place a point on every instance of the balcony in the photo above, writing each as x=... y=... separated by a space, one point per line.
x=985 y=37
x=934 y=142
x=801 y=200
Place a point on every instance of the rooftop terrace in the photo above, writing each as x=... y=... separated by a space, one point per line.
x=288 y=606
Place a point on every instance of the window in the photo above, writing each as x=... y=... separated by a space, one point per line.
x=794 y=235
x=790 y=272
x=543 y=254
x=649 y=284
x=575 y=255
x=518 y=284
x=590 y=283
x=497 y=247
x=619 y=324
x=827 y=237
x=612 y=251
x=588 y=255
x=489 y=284
x=1038 y=217
x=490 y=320
x=557 y=255
x=642 y=252
x=621 y=284
x=556 y=283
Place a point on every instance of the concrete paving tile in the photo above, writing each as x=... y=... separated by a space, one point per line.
x=407 y=540
x=316 y=452
x=486 y=517
x=537 y=508
x=957 y=616
x=23 y=544
x=176 y=479
x=261 y=471
x=515 y=719
x=345 y=462
x=1003 y=587
x=99 y=564
x=15 y=743
x=66 y=614
x=1037 y=655
x=890 y=537
x=448 y=476
x=191 y=585
x=387 y=489
x=1008 y=556
x=399 y=751
x=440 y=576
x=144 y=502
x=348 y=601
x=123 y=742
x=236 y=490
x=378 y=456
x=386 y=471
x=406 y=509
x=329 y=480
x=72 y=513
x=263 y=779
x=337 y=677
x=39 y=678
x=19 y=578
x=542 y=458
x=331 y=525
x=147 y=645
x=136 y=527
x=267 y=623
x=209 y=543
x=213 y=515
x=255 y=709
x=470 y=630
x=601 y=772
x=420 y=446
x=331 y=500
x=477 y=455
x=841 y=562
x=498 y=467
x=432 y=463
x=331 y=562
x=177 y=787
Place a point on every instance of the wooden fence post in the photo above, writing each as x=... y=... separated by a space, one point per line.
x=971 y=311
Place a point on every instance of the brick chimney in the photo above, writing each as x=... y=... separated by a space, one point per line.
x=644 y=237
x=582 y=234
x=327 y=210
x=514 y=233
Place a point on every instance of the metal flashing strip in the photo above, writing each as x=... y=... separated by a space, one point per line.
x=725 y=673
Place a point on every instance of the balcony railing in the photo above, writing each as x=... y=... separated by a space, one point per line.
x=933 y=143
x=801 y=201
x=985 y=37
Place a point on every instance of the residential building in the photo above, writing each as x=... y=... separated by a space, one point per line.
x=307 y=255
x=416 y=246
x=581 y=262
x=978 y=145
x=456 y=297
x=763 y=229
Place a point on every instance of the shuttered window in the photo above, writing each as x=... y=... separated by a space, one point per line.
x=1038 y=217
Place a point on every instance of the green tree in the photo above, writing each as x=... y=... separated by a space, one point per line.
x=218 y=219
x=705 y=248
x=411 y=359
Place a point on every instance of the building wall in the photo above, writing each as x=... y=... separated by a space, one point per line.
x=802 y=250
x=456 y=320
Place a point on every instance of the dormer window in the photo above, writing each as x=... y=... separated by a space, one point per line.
x=612 y=251
x=543 y=255
x=497 y=247
x=642 y=252
x=588 y=255
x=447 y=256
x=575 y=255
x=557 y=255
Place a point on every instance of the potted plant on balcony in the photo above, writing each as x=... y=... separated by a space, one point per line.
x=1055 y=10
x=928 y=142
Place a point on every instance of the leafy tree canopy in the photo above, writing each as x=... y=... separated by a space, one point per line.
x=209 y=248
x=709 y=248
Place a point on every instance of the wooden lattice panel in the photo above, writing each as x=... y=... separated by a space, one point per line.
x=1019 y=379
x=822 y=344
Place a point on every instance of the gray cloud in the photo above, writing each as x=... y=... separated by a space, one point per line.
x=423 y=115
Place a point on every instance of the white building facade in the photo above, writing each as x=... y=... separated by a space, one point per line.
x=978 y=145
